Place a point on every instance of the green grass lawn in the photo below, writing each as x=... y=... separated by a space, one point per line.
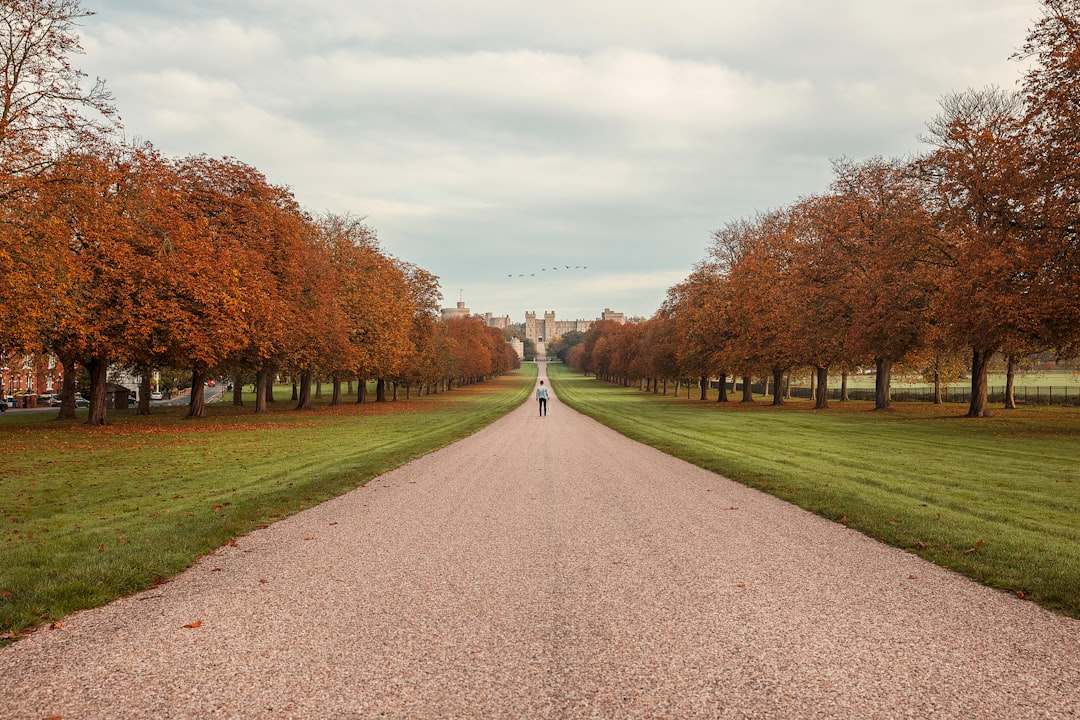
x=91 y=514
x=997 y=499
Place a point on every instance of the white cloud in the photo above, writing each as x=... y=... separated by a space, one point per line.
x=478 y=134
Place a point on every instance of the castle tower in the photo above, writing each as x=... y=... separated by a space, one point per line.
x=530 y=326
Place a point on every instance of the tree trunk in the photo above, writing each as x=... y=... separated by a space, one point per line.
x=269 y=387
x=1010 y=378
x=747 y=389
x=262 y=388
x=777 y=386
x=238 y=390
x=722 y=382
x=146 y=382
x=380 y=390
x=303 y=393
x=821 y=395
x=295 y=391
x=318 y=389
x=361 y=390
x=197 y=401
x=348 y=388
x=67 y=389
x=813 y=384
x=980 y=361
x=393 y=396
x=843 y=387
x=335 y=399
x=99 y=377
x=704 y=387
x=937 y=388
x=882 y=383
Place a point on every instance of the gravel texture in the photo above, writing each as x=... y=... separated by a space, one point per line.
x=550 y=568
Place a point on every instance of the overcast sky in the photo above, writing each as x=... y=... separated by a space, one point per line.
x=489 y=139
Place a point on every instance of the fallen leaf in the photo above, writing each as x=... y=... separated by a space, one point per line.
x=912 y=577
x=197 y=623
x=310 y=537
x=57 y=625
x=334 y=523
x=217 y=508
x=262 y=581
x=55 y=717
x=101 y=548
x=742 y=585
x=922 y=545
x=1020 y=594
x=232 y=543
x=12 y=636
x=216 y=570
x=5 y=593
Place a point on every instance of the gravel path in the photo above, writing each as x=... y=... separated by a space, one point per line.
x=550 y=568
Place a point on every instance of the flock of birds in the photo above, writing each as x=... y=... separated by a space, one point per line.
x=553 y=269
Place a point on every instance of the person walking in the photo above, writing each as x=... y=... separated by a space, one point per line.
x=542 y=397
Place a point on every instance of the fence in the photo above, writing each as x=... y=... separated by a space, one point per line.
x=1024 y=395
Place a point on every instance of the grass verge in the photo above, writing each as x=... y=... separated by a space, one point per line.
x=90 y=514
x=996 y=499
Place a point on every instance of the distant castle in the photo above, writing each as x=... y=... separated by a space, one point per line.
x=549 y=328
x=536 y=329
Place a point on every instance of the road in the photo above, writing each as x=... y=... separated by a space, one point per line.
x=550 y=568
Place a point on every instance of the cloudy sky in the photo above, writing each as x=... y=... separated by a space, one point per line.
x=486 y=140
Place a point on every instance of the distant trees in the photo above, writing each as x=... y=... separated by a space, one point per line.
x=974 y=245
x=113 y=255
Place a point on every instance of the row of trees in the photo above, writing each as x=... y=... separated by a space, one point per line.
x=971 y=248
x=111 y=254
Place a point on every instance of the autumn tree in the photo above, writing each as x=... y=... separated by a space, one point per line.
x=95 y=237
x=887 y=247
x=761 y=291
x=45 y=106
x=699 y=305
x=824 y=316
x=974 y=176
x=1049 y=213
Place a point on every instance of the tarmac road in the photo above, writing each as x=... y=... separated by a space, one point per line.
x=550 y=568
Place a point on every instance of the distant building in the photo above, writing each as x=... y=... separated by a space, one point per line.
x=500 y=322
x=548 y=328
x=535 y=328
x=456 y=312
x=610 y=314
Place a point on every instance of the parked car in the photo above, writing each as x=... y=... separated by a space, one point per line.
x=156 y=395
x=81 y=402
x=55 y=401
x=211 y=384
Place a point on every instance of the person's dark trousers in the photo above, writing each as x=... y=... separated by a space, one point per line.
x=543 y=406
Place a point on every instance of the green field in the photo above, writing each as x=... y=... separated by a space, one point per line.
x=91 y=514
x=997 y=499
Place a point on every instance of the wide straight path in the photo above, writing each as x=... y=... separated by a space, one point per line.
x=550 y=568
